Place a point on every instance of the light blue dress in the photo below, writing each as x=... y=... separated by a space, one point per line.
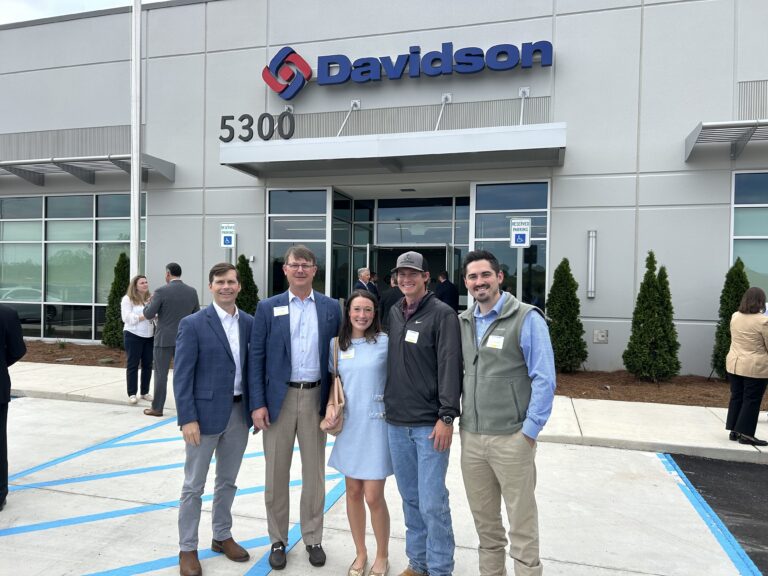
x=361 y=451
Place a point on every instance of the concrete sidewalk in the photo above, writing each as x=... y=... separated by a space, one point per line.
x=690 y=430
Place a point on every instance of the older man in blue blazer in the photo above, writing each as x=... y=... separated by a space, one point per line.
x=288 y=387
x=210 y=386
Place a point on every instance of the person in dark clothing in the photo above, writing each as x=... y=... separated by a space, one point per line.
x=421 y=401
x=12 y=349
x=389 y=299
x=447 y=292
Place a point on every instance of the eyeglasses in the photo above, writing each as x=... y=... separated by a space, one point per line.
x=293 y=266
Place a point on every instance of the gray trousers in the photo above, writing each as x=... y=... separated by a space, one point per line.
x=162 y=360
x=299 y=418
x=229 y=447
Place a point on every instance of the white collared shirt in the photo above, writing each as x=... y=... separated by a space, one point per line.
x=231 y=325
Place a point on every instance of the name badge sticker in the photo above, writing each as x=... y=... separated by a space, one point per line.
x=496 y=342
x=346 y=354
x=412 y=336
x=281 y=310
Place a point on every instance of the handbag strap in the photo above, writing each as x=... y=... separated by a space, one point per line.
x=336 y=355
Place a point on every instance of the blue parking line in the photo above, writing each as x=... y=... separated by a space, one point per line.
x=143 y=442
x=92 y=477
x=736 y=553
x=84 y=451
x=262 y=567
x=116 y=474
x=88 y=518
x=171 y=561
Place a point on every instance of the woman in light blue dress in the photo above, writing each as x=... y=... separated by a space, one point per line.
x=361 y=450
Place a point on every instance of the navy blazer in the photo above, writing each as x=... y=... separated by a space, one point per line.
x=269 y=355
x=204 y=371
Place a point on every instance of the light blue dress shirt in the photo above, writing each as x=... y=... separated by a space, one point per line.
x=305 y=354
x=539 y=357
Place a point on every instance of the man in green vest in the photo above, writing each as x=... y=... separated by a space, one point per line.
x=507 y=395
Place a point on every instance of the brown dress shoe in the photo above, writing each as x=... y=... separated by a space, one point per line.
x=411 y=572
x=151 y=412
x=231 y=549
x=189 y=565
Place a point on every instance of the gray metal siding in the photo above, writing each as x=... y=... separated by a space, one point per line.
x=753 y=100
x=423 y=118
x=94 y=141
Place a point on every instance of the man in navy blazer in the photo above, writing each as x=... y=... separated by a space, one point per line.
x=288 y=387
x=211 y=390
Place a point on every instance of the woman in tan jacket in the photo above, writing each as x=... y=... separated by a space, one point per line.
x=747 y=367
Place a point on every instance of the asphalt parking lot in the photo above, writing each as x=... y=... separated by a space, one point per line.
x=95 y=490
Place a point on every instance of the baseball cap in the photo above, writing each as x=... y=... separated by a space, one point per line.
x=412 y=260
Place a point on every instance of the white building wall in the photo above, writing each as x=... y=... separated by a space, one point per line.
x=630 y=78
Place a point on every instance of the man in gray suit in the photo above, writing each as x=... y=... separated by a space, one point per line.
x=170 y=303
x=211 y=387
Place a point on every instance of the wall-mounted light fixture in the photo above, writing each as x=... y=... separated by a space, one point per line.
x=591 y=256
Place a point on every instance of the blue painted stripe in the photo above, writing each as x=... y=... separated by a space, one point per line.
x=92 y=477
x=88 y=518
x=262 y=567
x=116 y=474
x=736 y=553
x=84 y=451
x=171 y=561
x=143 y=442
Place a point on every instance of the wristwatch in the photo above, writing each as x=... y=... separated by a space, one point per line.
x=447 y=420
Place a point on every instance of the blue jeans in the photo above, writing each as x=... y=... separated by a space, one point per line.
x=420 y=473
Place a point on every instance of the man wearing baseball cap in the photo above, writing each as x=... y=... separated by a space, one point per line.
x=421 y=399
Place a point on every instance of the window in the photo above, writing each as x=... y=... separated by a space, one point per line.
x=61 y=250
x=495 y=205
x=750 y=225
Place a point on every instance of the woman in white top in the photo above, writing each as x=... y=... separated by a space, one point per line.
x=138 y=334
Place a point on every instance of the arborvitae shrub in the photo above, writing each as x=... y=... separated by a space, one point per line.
x=650 y=355
x=249 y=292
x=669 y=362
x=565 y=327
x=113 y=323
x=736 y=283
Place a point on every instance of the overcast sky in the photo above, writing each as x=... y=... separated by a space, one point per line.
x=21 y=10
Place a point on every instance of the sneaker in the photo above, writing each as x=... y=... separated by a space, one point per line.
x=132 y=399
x=147 y=397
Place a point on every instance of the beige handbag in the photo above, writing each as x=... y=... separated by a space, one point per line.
x=336 y=399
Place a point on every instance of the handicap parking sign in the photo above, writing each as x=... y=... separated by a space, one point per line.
x=520 y=232
x=226 y=240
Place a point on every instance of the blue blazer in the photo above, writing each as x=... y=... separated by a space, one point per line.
x=269 y=355
x=204 y=371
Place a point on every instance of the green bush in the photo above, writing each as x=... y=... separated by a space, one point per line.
x=565 y=327
x=671 y=345
x=651 y=353
x=249 y=292
x=736 y=283
x=113 y=323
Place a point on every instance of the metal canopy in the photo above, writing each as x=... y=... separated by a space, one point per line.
x=503 y=147
x=738 y=133
x=84 y=167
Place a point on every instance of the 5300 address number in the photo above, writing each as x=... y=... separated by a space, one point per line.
x=265 y=127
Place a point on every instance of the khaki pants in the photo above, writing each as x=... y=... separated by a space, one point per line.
x=494 y=467
x=299 y=418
